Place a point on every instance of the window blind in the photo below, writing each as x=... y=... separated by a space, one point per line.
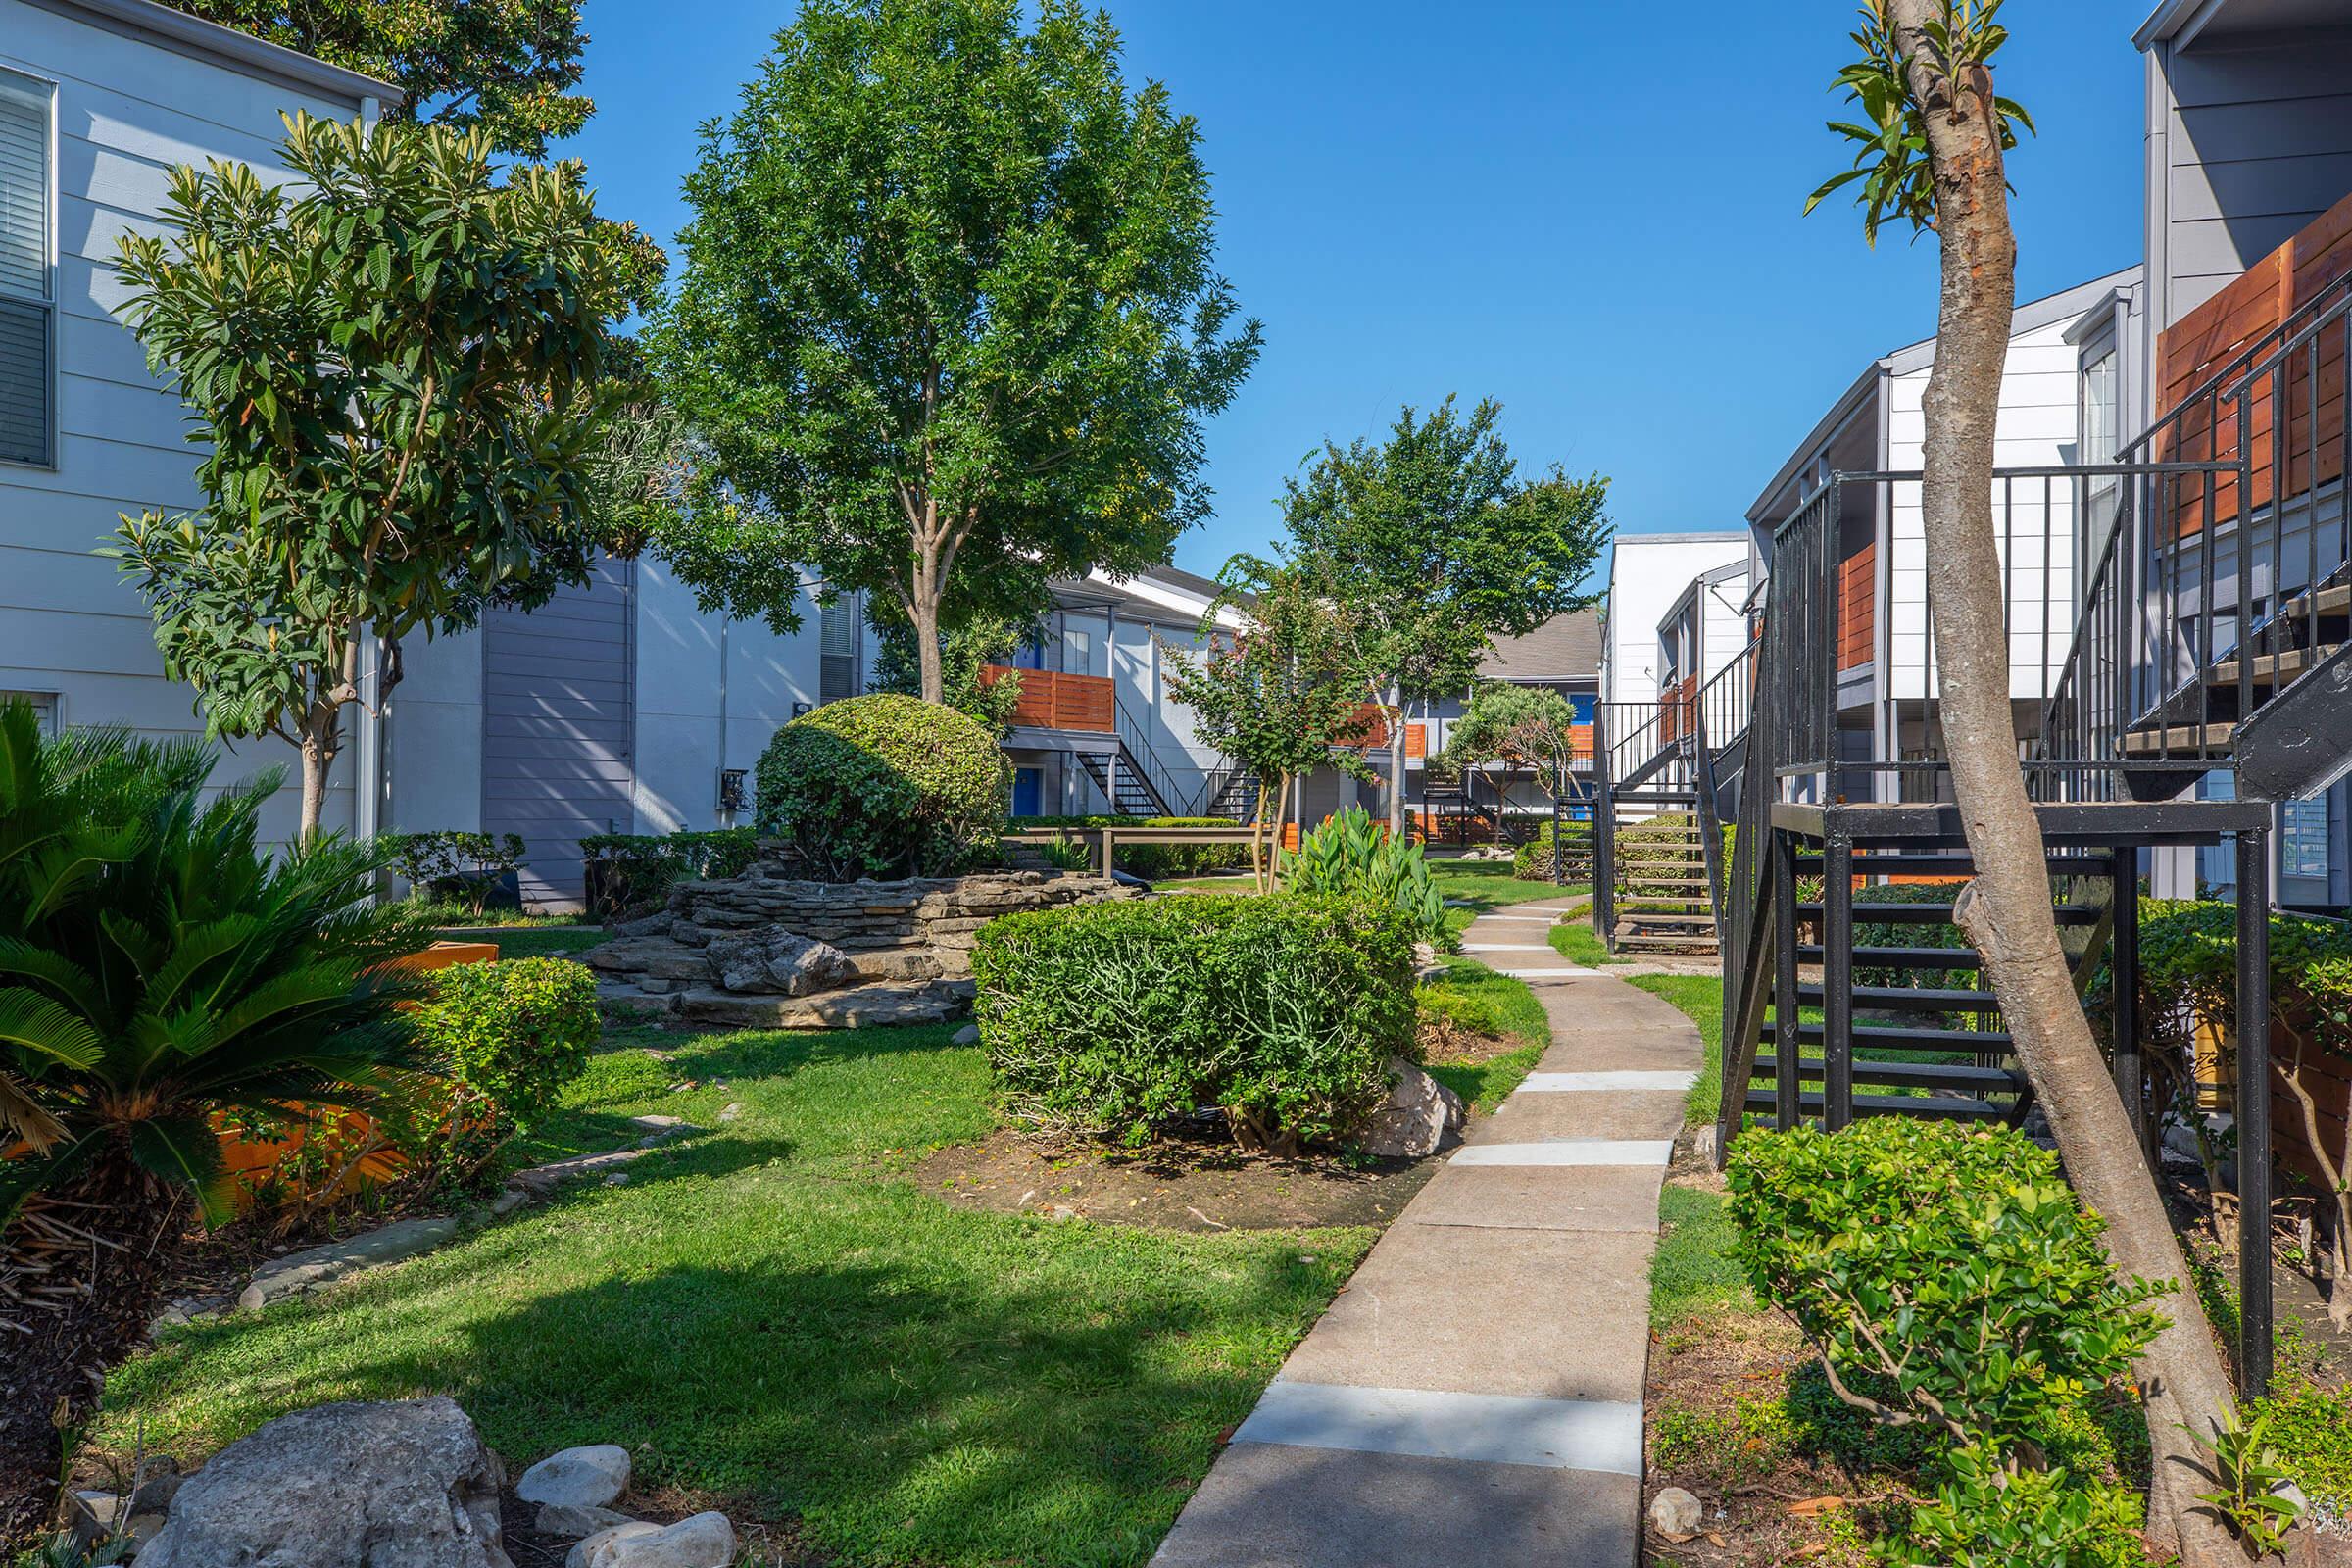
x=26 y=307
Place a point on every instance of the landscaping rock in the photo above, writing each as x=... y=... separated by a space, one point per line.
x=587 y=1477
x=406 y=1485
x=776 y=961
x=321 y=1266
x=1420 y=1116
x=571 y=1520
x=969 y=1035
x=540 y=1180
x=731 y=1111
x=1676 y=1514
x=705 y=1541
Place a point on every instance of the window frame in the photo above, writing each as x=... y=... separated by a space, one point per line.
x=45 y=89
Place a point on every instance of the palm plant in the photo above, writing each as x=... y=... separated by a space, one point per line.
x=158 y=965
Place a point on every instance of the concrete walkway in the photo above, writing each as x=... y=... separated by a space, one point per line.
x=1474 y=1395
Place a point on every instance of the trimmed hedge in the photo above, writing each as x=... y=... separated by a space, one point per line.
x=885 y=786
x=511 y=1034
x=1118 y=1019
x=630 y=873
x=1532 y=861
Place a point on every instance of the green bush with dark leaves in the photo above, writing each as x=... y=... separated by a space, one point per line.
x=1532 y=861
x=1119 y=1019
x=885 y=786
x=506 y=1037
x=631 y=873
x=1984 y=1516
x=1350 y=857
x=1945 y=1275
x=461 y=867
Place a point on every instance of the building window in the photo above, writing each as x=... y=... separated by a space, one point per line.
x=837 y=650
x=43 y=705
x=2303 y=843
x=28 y=292
x=2102 y=440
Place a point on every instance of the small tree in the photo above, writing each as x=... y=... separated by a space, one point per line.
x=1280 y=698
x=1930 y=158
x=501 y=67
x=396 y=372
x=949 y=316
x=1529 y=725
x=1435 y=546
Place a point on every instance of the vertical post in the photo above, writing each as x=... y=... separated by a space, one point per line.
x=1604 y=834
x=1559 y=827
x=1787 y=1052
x=2123 y=968
x=1107 y=852
x=1836 y=979
x=2254 y=1111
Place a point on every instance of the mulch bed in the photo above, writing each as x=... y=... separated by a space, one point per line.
x=1175 y=1185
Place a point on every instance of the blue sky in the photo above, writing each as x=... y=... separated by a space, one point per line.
x=1588 y=210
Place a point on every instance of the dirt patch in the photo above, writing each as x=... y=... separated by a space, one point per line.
x=1180 y=1187
x=1446 y=1044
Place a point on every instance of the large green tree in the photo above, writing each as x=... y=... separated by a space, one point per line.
x=398 y=374
x=505 y=68
x=949 y=319
x=1435 y=545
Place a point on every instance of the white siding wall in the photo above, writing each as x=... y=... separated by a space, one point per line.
x=2037 y=428
x=126 y=111
x=1646 y=575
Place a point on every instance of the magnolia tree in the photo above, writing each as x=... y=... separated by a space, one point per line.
x=397 y=368
x=1930 y=158
x=1435 y=545
x=1282 y=698
x=949 y=320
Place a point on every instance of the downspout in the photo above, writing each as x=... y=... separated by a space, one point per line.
x=371 y=776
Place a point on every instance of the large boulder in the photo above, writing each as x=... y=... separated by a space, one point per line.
x=585 y=1478
x=775 y=961
x=342 y=1486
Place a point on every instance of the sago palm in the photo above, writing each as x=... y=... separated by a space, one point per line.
x=157 y=964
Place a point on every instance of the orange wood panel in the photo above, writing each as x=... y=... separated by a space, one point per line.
x=1857 y=606
x=1053 y=699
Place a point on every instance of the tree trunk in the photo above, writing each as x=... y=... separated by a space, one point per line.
x=1395 y=721
x=922 y=608
x=2005 y=912
x=320 y=739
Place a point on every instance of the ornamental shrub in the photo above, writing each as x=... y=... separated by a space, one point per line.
x=1115 y=1019
x=1949 y=1274
x=1154 y=862
x=1983 y=1517
x=461 y=867
x=631 y=873
x=509 y=1034
x=1532 y=861
x=1350 y=857
x=885 y=786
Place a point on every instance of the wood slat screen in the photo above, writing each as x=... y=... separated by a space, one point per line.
x=2207 y=338
x=1857 y=606
x=1053 y=700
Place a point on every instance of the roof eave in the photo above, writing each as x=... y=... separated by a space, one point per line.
x=242 y=51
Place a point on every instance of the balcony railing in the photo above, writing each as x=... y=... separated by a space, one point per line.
x=1053 y=699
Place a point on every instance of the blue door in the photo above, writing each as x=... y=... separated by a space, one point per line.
x=1028 y=790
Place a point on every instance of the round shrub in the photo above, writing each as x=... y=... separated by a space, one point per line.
x=511 y=1035
x=1116 y=1019
x=1532 y=861
x=885 y=786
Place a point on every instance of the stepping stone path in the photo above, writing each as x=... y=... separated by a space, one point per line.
x=1474 y=1395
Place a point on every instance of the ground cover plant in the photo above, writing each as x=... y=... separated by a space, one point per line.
x=1116 y=1021
x=772 y=1317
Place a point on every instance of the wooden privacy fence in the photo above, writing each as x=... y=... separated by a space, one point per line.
x=1052 y=699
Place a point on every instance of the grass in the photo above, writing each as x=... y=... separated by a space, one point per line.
x=1574 y=941
x=1701 y=998
x=538 y=942
x=450 y=912
x=1692 y=1271
x=1486 y=1002
x=766 y=1316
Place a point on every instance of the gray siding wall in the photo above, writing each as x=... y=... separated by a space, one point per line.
x=557 y=727
x=2249 y=140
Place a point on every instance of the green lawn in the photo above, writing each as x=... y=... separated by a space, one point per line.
x=1701 y=996
x=1574 y=941
x=1692 y=1271
x=1488 y=1003
x=539 y=941
x=765 y=1315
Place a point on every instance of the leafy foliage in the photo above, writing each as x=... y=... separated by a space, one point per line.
x=1432 y=544
x=393 y=370
x=1533 y=862
x=2253 y=1496
x=1154 y=862
x=964 y=656
x=1349 y=856
x=454 y=863
x=1984 y=1516
x=1116 y=1019
x=1954 y=1272
x=1890 y=145
x=884 y=786
x=1530 y=726
x=948 y=307
x=157 y=964
x=502 y=67
x=511 y=1035
x=633 y=871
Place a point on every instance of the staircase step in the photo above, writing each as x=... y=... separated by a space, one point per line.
x=2333 y=601
x=2203 y=739
x=2267 y=667
x=1898 y=1036
x=1908 y=999
x=1908 y=1074
x=1934 y=1110
x=1663 y=941
x=1665 y=917
x=1939 y=914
